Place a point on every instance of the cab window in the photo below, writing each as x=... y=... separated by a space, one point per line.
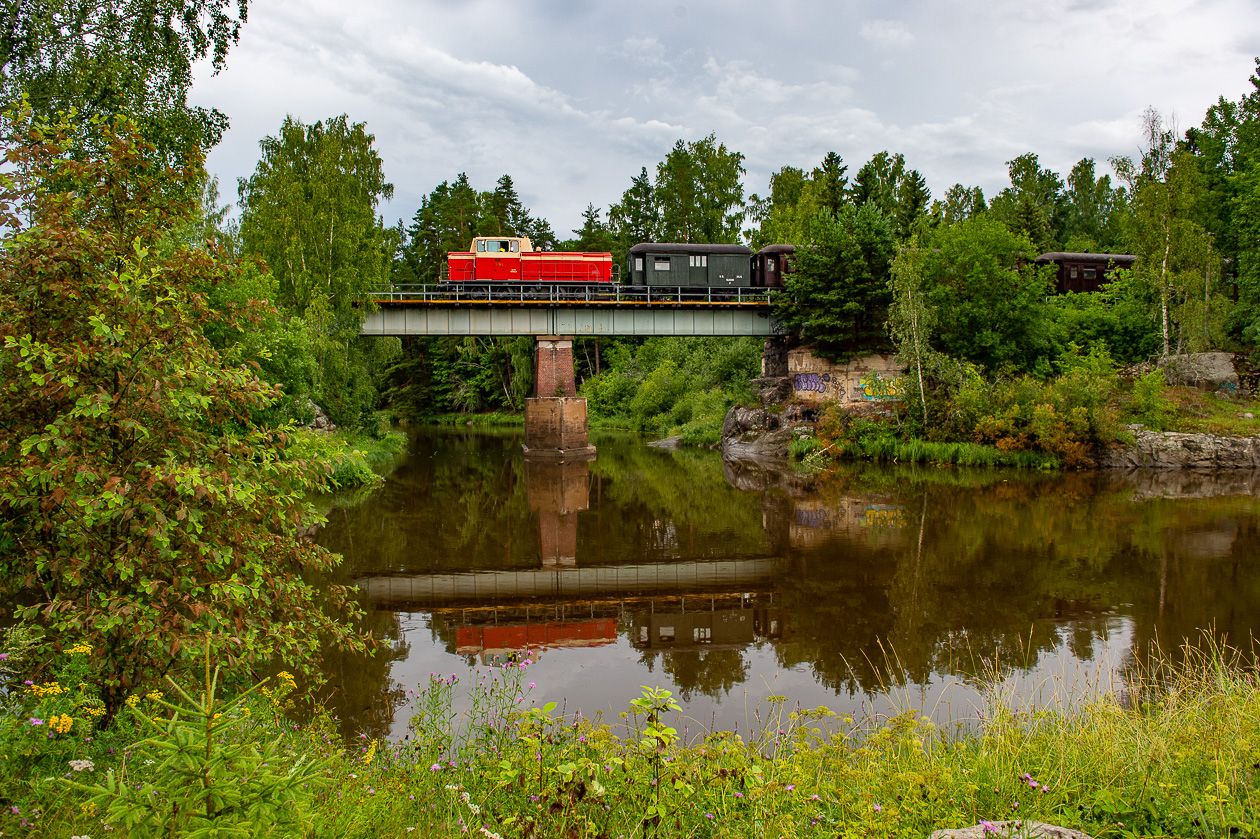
x=481 y=245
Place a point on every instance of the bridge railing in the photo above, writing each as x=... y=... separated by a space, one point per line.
x=570 y=295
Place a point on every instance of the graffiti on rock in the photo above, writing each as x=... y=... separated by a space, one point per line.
x=874 y=388
x=811 y=382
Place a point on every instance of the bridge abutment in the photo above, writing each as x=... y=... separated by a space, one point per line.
x=555 y=418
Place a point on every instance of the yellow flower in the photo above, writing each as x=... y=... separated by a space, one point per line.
x=154 y=694
x=81 y=649
x=133 y=700
x=61 y=724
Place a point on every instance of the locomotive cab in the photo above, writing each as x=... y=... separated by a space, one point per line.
x=499 y=257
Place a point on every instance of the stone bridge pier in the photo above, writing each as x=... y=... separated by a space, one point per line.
x=555 y=418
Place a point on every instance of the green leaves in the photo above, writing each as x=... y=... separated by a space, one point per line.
x=838 y=296
x=143 y=505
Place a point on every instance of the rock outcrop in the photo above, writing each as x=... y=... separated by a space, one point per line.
x=761 y=433
x=1010 y=830
x=1173 y=450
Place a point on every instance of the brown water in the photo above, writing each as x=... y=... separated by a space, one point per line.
x=873 y=591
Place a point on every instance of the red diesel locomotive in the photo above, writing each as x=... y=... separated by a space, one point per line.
x=512 y=259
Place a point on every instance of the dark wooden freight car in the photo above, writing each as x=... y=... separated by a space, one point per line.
x=679 y=264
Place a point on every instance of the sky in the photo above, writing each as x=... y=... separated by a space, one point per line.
x=573 y=97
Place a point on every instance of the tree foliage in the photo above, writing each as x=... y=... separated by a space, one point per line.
x=699 y=192
x=989 y=299
x=839 y=294
x=309 y=210
x=1175 y=254
x=131 y=57
x=141 y=510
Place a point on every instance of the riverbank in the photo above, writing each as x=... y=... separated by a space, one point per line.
x=1087 y=418
x=354 y=459
x=1169 y=751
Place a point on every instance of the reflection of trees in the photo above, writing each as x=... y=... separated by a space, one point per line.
x=707 y=672
x=359 y=691
x=661 y=505
x=990 y=572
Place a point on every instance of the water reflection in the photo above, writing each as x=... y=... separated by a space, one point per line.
x=712 y=578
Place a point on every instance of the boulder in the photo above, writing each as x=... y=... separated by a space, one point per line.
x=1205 y=370
x=1010 y=830
x=755 y=433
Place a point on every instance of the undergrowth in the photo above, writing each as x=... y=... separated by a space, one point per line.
x=1171 y=750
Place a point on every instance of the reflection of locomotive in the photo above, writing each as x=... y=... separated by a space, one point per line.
x=508 y=259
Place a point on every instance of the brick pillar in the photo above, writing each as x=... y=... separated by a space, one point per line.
x=553 y=368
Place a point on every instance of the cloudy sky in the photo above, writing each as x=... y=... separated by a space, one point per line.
x=572 y=97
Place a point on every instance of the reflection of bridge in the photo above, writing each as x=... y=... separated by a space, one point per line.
x=607 y=309
x=484 y=588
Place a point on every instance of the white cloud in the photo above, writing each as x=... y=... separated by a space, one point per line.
x=887 y=33
x=572 y=99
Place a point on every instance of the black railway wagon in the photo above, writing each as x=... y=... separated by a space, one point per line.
x=678 y=264
x=770 y=264
x=1081 y=272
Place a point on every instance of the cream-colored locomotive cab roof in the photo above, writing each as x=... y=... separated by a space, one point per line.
x=501 y=244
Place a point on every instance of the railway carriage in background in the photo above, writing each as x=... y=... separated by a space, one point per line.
x=1084 y=272
x=512 y=259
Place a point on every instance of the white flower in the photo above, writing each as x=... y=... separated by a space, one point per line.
x=80 y=766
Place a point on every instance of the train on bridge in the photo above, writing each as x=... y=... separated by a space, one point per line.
x=500 y=261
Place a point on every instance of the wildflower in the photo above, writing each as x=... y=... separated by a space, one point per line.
x=82 y=765
x=815 y=798
x=790 y=787
x=15 y=811
x=61 y=724
x=989 y=827
x=35 y=721
x=739 y=795
x=531 y=684
x=4 y=656
x=878 y=809
x=437 y=767
x=708 y=815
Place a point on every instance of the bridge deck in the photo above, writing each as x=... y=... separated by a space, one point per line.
x=603 y=294
x=503 y=310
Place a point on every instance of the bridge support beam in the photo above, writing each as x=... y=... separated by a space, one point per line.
x=555 y=419
x=553 y=367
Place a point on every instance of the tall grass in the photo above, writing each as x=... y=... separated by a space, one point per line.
x=1170 y=749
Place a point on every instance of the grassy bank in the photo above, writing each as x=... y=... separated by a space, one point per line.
x=493 y=419
x=355 y=459
x=1173 y=752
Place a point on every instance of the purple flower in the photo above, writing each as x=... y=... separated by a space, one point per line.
x=989 y=827
x=531 y=684
x=437 y=767
x=15 y=811
x=878 y=809
x=36 y=722
x=708 y=815
x=790 y=787
x=4 y=656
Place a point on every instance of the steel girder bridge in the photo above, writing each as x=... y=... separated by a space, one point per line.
x=576 y=310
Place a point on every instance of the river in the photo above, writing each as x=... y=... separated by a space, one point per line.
x=873 y=591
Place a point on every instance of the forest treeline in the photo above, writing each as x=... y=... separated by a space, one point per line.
x=309 y=219
x=1185 y=205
